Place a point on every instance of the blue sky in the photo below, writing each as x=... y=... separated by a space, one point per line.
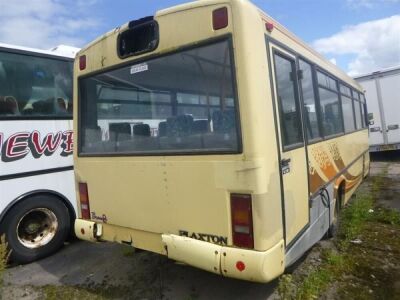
x=359 y=35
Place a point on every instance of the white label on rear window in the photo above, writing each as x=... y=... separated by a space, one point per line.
x=139 y=68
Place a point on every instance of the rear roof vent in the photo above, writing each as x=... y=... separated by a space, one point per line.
x=141 y=36
x=141 y=21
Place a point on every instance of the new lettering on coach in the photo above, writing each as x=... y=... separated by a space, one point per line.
x=20 y=144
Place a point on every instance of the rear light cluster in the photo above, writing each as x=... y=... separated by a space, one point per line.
x=269 y=26
x=82 y=62
x=220 y=18
x=242 y=221
x=84 y=201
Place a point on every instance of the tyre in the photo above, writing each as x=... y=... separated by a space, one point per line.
x=36 y=227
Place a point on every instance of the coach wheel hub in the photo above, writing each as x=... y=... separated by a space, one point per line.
x=37 y=228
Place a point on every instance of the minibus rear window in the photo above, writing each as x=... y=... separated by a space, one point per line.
x=178 y=103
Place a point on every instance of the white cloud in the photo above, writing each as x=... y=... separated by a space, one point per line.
x=85 y=3
x=333 y=60
x=374 y=45
x=45 y=23
x=356 y=4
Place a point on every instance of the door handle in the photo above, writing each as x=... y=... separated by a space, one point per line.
x=285 y=167
x=392 y=127
x=375 y=129
x=285 y=162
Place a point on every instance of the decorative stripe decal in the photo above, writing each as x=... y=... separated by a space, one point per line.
x=315 y=180
x=35 y=173
x=324 y=162
x=329 y=169
x=334 y=150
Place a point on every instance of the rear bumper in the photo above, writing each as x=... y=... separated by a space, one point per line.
x=88 y=230
x=253 y=265
x=259 y=266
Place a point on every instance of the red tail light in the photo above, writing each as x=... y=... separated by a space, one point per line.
x=220 y=18
x=82 y=62
x=84 y=200
x=242 y=221
x=269 y=26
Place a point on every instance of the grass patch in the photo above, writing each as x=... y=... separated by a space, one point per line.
x=128 y=251
x=353 y=218
x=286 y=287
x=309 y=287
x=386 y=216
x=51 y=292
x=335 y=261
x=97 y=292
x=314 y=284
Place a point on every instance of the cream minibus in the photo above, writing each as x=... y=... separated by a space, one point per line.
x=211 y=134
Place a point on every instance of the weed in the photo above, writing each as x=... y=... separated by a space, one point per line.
x=286 y=287
x=334 y=260
x=314 y=284
x=51 y=292
x=387 y=216
x=128 y=251
x=4 y=256
x=354 y=216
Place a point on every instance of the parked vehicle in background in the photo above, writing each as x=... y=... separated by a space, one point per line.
x=382 y=90
x=37 y=199
x=225 y=143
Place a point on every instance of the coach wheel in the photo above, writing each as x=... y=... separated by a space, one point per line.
x=36 y=227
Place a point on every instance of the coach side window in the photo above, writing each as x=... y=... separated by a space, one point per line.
x=347 y=108
x=32 y=86
x=310 y=106
x=331 y=114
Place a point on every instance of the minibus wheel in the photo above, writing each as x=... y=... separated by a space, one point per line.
x=36 y=227
x=333 y=227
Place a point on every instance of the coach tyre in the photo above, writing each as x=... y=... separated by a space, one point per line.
x=36 y=227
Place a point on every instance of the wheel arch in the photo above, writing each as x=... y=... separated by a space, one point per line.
x=23 y=197
x=340 y=191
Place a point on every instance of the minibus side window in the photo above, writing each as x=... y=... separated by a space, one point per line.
x=347 y=108
x=331 y=115
x=290 y=120
x=310 y=107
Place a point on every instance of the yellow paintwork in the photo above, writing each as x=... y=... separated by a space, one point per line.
x=147 y=200
x=202 y=255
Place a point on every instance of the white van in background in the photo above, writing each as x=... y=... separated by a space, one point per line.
x=383 y=102
x=37 y=193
